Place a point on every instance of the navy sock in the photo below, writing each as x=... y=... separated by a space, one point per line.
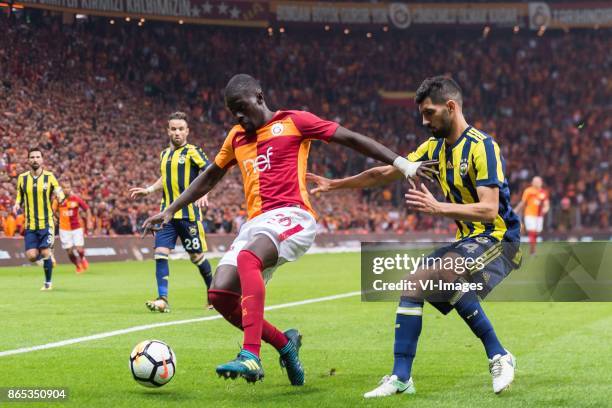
x=408 y=324
x=205 y=271
x=161 y=273
x=471 y=312
x=48 y=267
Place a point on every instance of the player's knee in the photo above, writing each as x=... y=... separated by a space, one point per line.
x=196 y=258
x=32 y=258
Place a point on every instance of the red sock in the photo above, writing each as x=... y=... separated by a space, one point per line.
x=81 y=252
x=228 y=305
x=533 y=238
x=250 y=268
x=73 y=258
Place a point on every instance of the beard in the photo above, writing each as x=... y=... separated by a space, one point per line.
x=35 y=166
x=444 y=129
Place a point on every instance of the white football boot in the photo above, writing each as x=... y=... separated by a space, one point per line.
x=502 y=371
x=390 y=385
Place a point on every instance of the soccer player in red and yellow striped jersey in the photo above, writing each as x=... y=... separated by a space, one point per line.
x=271 y=151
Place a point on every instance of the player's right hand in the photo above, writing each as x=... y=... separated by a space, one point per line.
x=427 y=169
x=323 y=184
x=16 y=208
x=152 y=223
x=138 y=192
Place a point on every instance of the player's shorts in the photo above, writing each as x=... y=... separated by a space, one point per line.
x=71 y=238
x=191 y=233
x=291 y=229
x=534 y=223
x=497 y=260
x=39 y=239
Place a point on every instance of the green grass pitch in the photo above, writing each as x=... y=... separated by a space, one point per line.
x=562 y=348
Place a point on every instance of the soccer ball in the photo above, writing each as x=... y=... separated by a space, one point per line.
x=152 y=363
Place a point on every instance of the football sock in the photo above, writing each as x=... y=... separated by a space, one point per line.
x=533 y=239
x=48 y=268
x=161 y=273
x=471 y=312
x=250 y=270
x=81 y=252
x=205 y=270
x=73 y=258
x=228 y=305
x=408 y=324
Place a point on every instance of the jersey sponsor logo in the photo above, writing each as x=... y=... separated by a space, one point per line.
x=277 y=129
x=259 y=164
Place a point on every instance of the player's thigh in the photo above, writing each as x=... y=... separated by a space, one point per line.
x=226 y=278
x=66 y=239
x=192 y=236
x=264 y=248
x=166 y=236
x=78 y=238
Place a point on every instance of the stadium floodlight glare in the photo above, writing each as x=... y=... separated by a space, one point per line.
x=80 y=16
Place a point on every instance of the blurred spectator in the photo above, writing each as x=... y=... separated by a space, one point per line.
x=96 y=96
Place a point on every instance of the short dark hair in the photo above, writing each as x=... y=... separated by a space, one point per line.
x=177 y=116
x=440 y=89
x=241 y=83
x=34 y=149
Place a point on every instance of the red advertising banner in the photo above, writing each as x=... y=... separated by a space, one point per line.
x=396 y=15
x=226 y=12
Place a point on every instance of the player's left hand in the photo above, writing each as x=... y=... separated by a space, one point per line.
x=202 y=203
x=153 y=223
x=422 y=200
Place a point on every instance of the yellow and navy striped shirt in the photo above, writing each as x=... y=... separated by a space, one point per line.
x=34 y=195
x=179 y=167
x=474 y=160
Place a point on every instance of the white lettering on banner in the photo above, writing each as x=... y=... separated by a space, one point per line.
x=292 y=13
x=5 y=255
x=259 y=163
x=380 y=16
x=323 y=14
x=440 y=15
x=601 y=16
x=160 y=7
x=105 y=5
x=355 y=15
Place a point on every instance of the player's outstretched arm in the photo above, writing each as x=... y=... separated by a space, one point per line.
x=138 y=192
x=375 y=150
x=485 y=210
x=200 y=186
x=374 y=177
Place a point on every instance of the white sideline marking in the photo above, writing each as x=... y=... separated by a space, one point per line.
x=155 y=325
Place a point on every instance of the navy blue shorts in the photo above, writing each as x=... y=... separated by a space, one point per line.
x=497 y=260
x=191 y=234
x=39 y=239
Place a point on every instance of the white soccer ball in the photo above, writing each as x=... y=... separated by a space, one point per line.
x=152 y=363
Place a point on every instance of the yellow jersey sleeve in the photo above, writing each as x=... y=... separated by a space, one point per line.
x=488 y=164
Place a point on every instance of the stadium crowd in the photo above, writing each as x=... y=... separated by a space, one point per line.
x=96 y=96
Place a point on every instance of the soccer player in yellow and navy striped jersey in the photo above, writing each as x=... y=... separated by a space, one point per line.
x=180 y=165
x=34 y=193
x=471 y=173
